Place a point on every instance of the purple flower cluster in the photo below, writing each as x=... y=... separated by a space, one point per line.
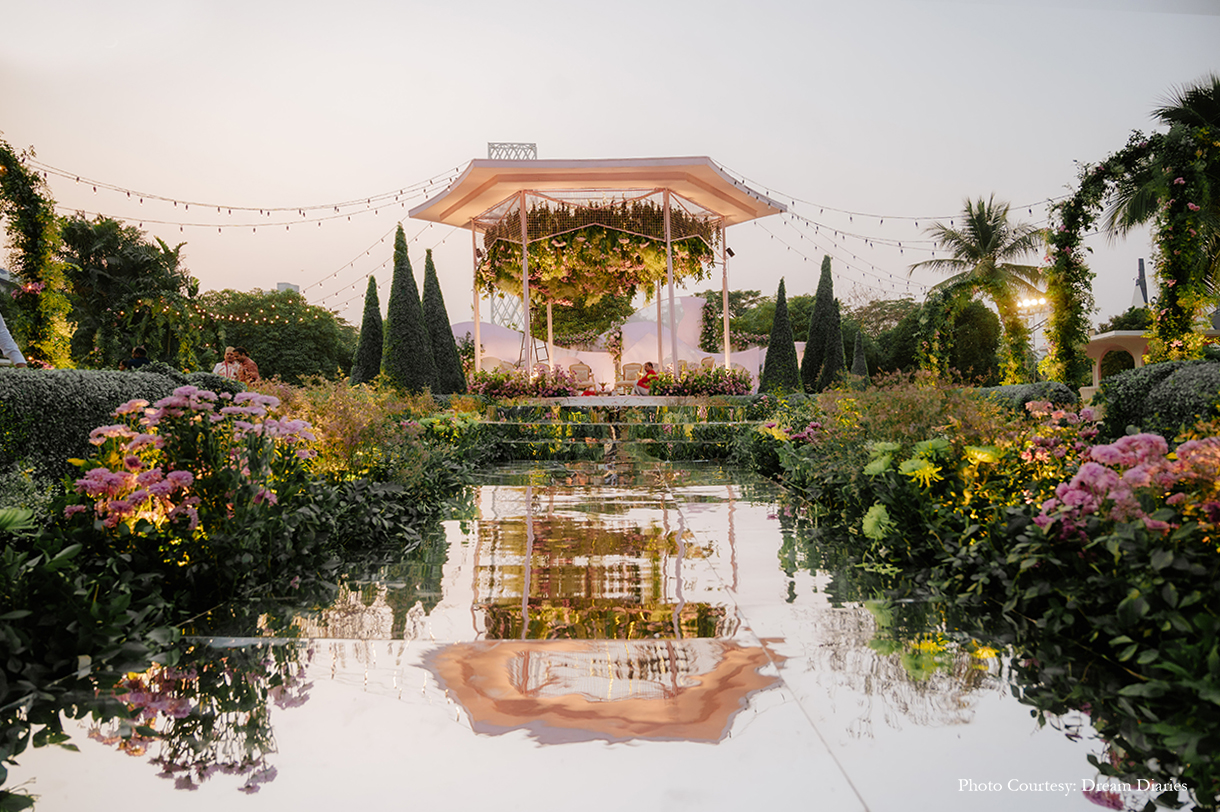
x=136 y=492
x=1063 y=441
x=137 y=486
x=810 y=434
x=1112 y=481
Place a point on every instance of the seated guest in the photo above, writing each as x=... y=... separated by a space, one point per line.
x=247 y=370
x=8 y=347
x=644 y=385
x=228 y=368
x=139 y=357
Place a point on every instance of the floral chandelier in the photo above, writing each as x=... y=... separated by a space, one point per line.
x=583 y=248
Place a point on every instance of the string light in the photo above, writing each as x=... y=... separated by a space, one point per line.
x=373 y=203
x=368 y=201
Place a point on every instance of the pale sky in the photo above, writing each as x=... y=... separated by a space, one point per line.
x=869 y=117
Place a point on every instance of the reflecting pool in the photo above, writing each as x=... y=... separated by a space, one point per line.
x=602 y=638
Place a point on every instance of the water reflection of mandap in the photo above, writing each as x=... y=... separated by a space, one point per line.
x=615 y=690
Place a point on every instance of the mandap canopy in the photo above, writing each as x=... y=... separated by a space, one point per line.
x=563 y=230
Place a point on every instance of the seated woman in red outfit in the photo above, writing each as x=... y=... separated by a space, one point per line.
x=644 y=385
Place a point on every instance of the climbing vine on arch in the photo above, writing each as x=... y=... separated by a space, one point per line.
x=936 y=318
x=39 y=310
x=1175 y=162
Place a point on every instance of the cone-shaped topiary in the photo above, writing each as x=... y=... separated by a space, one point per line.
x=366 y=364
x=450 y=378
x=815 y=343
x=780 y=371
x=408 y=349
x=836 y=360
x=859 y=364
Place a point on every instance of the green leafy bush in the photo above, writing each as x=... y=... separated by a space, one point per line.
x=65 y=628
x=823 y=462
x=1096 y=565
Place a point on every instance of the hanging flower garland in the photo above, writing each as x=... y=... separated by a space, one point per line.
x=594 y=251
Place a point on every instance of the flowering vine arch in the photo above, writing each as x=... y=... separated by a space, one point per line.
x=1180 y=268
x=40 y=308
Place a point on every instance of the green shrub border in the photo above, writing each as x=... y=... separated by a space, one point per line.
x=46 y=415
x=1125 y=398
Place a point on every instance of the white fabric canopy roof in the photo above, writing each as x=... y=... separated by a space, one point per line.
x=486 y=183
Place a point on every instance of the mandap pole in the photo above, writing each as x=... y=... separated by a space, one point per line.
x=669 y=276
x=660 y=351
x=724 y=291
x=474 y=254
x=525 y=286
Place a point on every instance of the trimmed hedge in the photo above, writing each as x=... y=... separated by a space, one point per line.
x=1016 y=395
x=46 y=415
x=1158 y=398
x=1184 y=397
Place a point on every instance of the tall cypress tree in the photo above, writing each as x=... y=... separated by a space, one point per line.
x=815 y=343
x=859 y=363
x=780 y=371
x=366 y=364
x=836 y=360
x=450 y=378
x=408 y=349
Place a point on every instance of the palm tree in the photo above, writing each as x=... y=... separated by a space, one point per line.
x=981 y=258
x=1190 y=112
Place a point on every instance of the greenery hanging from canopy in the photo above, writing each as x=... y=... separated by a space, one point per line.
x=586 y=253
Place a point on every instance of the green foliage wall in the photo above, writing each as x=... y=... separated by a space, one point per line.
x=367 y=363
x=974 y=354
x=126 y=291
x=46 y=415
x=780 y=371
x=580 y=322
x=285 y=335
x=450 y=378
x=407 y=358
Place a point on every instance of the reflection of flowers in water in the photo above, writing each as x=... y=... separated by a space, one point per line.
x=212 y=716
x=923 y=678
